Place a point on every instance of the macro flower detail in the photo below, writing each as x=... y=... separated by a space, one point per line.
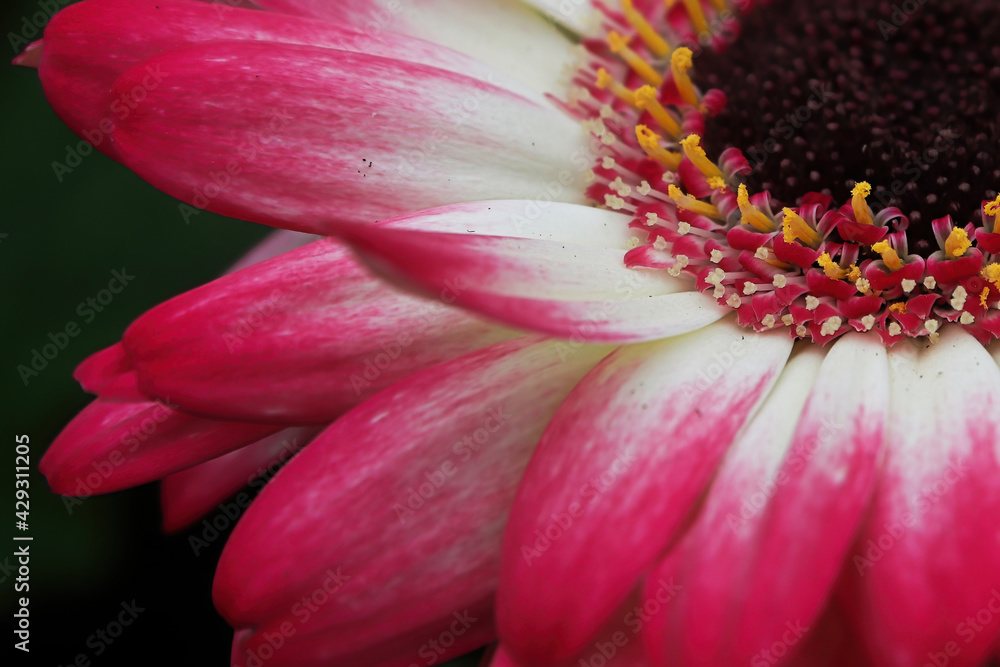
x=647 y=361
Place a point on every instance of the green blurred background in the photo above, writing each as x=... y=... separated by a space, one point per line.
x=59 y=242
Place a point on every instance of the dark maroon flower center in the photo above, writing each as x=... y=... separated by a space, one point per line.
x=904 y=95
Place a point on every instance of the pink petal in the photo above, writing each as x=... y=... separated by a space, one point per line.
x=396 y=496
x=90 y=44
x=615 y=475
x=111 y=446
x=296 y=340
x=188 y=495
x=299 y=136
x=759 y=563
x=924 y=576
x=561 y=272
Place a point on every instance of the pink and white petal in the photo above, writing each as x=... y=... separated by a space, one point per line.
x=188 y=495
x=112 y=446
x=300 y=137
x=615 y=476
x=726 y=528
x=297 y=339
x=86 y=49
x=561 y=273
x=505 y=34
x=927 y=563
x=766 y=580
x=407 y=496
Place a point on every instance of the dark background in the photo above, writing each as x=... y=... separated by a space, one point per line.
x=59 y=242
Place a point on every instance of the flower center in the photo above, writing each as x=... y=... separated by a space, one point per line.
x=770 y=169
x=902 y=95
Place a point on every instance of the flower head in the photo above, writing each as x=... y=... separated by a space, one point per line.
x=702 y=400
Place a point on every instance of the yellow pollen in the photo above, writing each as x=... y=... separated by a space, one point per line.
x=993 y=207
x=645 y=99
x=957 y=243
x=649 y=141
x=832 y=270
x=619 y=45
x=680 y=63
x=607 y=82
x=898 y=307
x=862 y=213
x=854 y=274
x=696 y=154
x=717 y=183
x=689 y=203
x=795 y=228
x=697 y=15
x=751 y=214
x=653 y=40
x=992 y=272
x=984 y=301
x=889 y=256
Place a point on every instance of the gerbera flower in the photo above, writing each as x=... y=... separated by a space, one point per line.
x=754 y=419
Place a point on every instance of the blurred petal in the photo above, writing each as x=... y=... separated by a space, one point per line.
x=188 y=495
x=112 y=446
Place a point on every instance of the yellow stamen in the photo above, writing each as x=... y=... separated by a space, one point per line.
x=832 y=270
x=697 y=15
x=619 y=45
x=984 y=298
x=680 y=62
x=751 y=214
x=719 y=5
x=992 y=272
x=854 y=274
x=795 y=228
x=717 y=183
x=889 y=256
x=607 y=82
x=862 y=212
x=957 y=243
x=898 y=307
x=653 y=40
x=993 y=209
x=696 y=154
x=689 y=203
x=645 y=99
x=649 y=141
